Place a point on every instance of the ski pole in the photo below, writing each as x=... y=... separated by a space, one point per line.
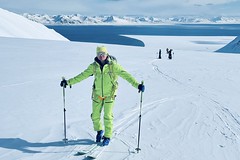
x=139 y=125
x=64 y=115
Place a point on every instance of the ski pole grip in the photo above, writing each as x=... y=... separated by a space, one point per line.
x=142 y=84
x=65 y=82
x=139 y=89
x=63 y=78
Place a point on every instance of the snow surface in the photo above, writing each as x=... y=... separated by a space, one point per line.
x=190 y=106
x=13 y=25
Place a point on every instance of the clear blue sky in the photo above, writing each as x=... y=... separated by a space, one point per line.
x=125 y=7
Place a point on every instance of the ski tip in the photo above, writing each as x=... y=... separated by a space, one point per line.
x=79 y=154
x=91 y=157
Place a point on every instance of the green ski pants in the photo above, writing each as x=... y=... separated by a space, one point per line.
x=97 y=108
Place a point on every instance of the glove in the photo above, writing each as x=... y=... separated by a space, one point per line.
x=63 y=83
x=141 y=88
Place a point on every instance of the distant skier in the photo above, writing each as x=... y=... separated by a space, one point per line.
x=160 y=54
x=106 y=71
x=170 y=53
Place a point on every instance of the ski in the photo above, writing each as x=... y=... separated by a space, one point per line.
x=88 y=149
x=94 y=154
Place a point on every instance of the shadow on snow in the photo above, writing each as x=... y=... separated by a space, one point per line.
x=23 y=145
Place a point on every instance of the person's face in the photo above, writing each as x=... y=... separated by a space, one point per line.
x=101 y=56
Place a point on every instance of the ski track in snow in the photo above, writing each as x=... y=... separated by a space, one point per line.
x=15 y=84
x=220 y=115
x=129 y=119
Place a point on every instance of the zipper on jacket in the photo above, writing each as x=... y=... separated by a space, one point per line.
x=102 y=80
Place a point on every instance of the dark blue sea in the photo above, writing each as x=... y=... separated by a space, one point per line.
x=114 y=34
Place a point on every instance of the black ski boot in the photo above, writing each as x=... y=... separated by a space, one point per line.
x=106 y=141
x=99 y=136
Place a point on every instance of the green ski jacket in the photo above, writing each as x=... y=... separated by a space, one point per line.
x=105 y=79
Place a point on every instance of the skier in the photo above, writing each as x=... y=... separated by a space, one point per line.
x=159 y=54
x=170 y=53
x=106 y=71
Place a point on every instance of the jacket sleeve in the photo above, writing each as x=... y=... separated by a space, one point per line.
x=127 y=76
x=85 y=74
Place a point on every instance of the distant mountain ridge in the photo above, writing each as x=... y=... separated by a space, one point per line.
x=77 y=19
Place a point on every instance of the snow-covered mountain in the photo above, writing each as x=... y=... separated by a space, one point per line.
x=14 y=25
x=110 y=19
x=232 y=47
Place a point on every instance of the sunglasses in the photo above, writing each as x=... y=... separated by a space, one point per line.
x=101 y=54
